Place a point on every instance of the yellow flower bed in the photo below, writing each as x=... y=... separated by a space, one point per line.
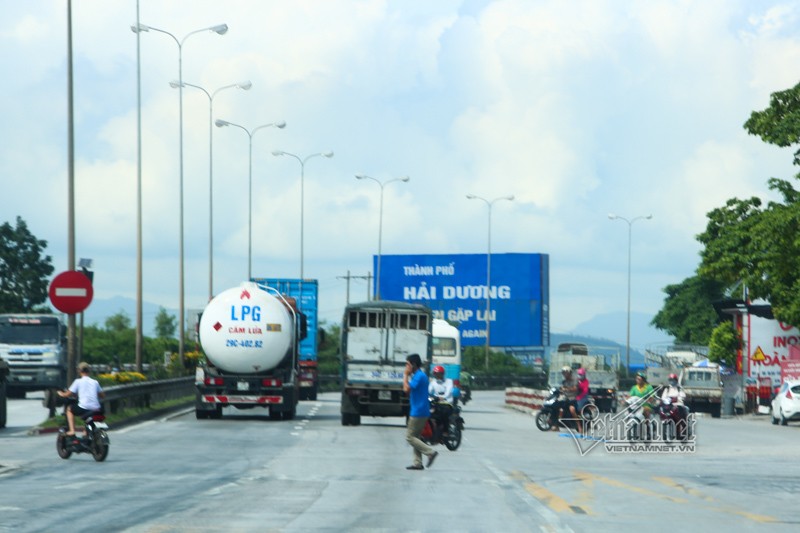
x=122 y=377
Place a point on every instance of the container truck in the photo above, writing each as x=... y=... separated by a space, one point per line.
x=250 y=336
x=35 y=348
x=377 y=337
x=600 y=371
x=304 y=291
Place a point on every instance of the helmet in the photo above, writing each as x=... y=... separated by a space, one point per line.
x=673 y=376
x=641 y=375
x=581 y=371
x=566 y=369
x=438 y=369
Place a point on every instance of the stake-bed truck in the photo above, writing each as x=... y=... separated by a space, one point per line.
x=377 y=337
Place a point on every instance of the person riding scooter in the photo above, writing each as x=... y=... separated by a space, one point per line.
x=88 y=391
x=569 y=388
x=674 y=394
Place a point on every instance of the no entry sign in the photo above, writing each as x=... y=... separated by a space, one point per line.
x=71 y=292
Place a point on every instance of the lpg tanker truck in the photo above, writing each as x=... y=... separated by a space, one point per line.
x=250 y=336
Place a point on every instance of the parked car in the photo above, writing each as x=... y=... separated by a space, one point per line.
x=786 y=403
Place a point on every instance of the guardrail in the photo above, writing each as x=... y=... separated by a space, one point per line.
x=146 y=393
x=332 y=382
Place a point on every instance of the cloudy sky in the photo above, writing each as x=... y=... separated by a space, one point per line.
x=578 y=108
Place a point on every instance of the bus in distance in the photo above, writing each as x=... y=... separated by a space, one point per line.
x=447 y=349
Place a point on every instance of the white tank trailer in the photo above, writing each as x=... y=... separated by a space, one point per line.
x=250 y=337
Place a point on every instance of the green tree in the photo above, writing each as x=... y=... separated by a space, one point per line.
x=24 y=269
x=723 y=344
x=118 y=322
x=688 y=313
x=166 y=324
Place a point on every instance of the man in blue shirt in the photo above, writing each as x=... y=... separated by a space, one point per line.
x=415 y=384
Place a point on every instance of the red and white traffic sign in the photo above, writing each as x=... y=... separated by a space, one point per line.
x=71 y=292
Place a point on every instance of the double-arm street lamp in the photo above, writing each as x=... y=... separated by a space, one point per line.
x=630 y=222
x=220 y=124
x=219 y=29
x=302 y=161
x=489 y=204
x=245 y=86
x=382 y=184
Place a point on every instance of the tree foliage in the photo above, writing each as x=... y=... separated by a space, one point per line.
x=166 y=324
x=723 y=345
x=24 y=269
x=688 y=313
x=757 y=244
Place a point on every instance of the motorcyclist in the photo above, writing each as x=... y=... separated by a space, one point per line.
x=675 y=394
x=581 y=397
x=441 y=387
x=440 y=390
x=569 y=388
x=88 y=391
x=644 y=392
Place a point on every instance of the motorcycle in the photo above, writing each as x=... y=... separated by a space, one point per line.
x=674 y=420
x=639 y=426
x=589 y=412
x=465 y=394
x=95 y=440
x=444 y=426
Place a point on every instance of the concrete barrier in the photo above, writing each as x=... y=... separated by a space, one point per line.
x=524 y=399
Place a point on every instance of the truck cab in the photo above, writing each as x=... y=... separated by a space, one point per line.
x=703 y=388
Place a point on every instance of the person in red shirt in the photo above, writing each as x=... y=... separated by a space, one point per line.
x=581 y=398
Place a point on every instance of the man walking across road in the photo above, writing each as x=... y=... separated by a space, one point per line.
x=415 y=384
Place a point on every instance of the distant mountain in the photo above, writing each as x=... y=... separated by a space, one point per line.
x=100 y=309
x=614 y=326
x=610 y=330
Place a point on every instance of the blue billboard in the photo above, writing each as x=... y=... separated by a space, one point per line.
x=454 y=287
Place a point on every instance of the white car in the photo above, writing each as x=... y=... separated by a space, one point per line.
x=786 y=403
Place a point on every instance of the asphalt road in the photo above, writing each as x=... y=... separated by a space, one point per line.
x=246 y=473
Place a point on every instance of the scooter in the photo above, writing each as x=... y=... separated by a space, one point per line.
x=588 y=413
x=674 y=420
x=639 y=426
x=95 y=440
x=444 y=426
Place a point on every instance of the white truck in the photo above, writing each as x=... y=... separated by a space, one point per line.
x=250 y=336
x=35 y=348
x=377 y=337
x=600 y=371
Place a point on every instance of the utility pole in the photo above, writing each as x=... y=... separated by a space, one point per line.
x=348 y=277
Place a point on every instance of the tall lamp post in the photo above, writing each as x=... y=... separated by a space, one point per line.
x=221 y=124
x=245 y=86
x=630 y=222
x=489 y=204
x=219 y=29
x=302 y=162
x=380 y=226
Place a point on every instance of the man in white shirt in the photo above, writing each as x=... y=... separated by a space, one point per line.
x=441 y=387
x=88 y=391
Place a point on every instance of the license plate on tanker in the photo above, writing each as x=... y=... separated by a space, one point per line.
x=242 y=385
x=385 y=395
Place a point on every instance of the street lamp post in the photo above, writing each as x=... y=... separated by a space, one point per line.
x=380 y=226
x=489 y=204
x=302 y=162
x=219 y=29
x=245 y=86
x=220 y=124
x=630 y=222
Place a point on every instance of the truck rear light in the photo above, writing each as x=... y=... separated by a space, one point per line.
x=213 y=381
x=354 y=392
x=307 y=375
x=271 y=382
